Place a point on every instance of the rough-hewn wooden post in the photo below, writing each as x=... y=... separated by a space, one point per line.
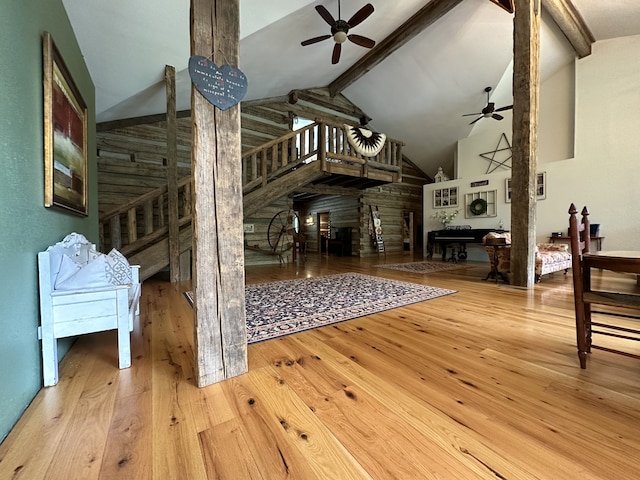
x=526 y=87
x=172 y=173
x=220 y=329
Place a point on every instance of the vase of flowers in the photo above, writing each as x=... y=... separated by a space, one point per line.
x=445 y=218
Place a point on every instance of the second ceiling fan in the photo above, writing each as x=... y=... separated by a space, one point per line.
x=340 y=30
x=489 y=111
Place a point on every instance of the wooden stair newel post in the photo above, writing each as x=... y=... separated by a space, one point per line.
x=172 y=173
x=526 y=88
x=219 y=307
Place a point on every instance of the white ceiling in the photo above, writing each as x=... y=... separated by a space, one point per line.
x=416 y=95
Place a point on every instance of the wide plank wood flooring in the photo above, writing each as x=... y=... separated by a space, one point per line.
x=482 y=384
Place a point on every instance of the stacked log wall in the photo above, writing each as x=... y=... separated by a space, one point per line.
x=132 y=161
x=343 y=213
x=392 y=201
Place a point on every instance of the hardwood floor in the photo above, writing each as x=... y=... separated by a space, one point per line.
x=484 y=384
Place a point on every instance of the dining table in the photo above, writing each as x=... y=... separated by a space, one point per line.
x=607 y=295
x=621 y=261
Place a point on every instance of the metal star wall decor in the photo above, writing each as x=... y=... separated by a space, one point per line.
x=492 y=158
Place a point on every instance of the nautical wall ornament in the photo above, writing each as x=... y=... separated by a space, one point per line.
x=364 y=141
x=222 y=86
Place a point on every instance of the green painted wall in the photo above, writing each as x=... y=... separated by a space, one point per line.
x=28 y=227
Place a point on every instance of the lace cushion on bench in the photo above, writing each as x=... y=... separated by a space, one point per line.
x=118 y=269
x=102 y=271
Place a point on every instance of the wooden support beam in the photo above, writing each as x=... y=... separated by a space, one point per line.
x=572 y=25
x=505 y=4
x=526 y=89
x=133 y=121
x=172 y=174
x=219 y=307
x=426 y=16
x=329 y=190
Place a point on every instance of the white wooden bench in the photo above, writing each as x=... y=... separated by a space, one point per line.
x=81 y=292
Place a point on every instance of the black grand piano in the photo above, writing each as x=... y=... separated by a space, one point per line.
x=457 y=238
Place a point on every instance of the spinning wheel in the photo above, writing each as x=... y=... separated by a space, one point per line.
x=282 y=228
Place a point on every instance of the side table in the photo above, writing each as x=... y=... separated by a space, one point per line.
x=496 y=243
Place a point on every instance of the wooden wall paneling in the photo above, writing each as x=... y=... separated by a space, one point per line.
x=258 y=238
x=263 y=112
x=392 y=200
x=265 y=127
x=319 y=97
x=344 y=213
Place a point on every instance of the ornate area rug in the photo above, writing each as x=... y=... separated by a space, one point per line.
x=281 y=308
x=423 y=267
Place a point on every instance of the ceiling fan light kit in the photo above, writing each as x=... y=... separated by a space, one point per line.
x=340 y=30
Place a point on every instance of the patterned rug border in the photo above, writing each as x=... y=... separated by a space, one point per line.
x=272 y=316
x=423 y=267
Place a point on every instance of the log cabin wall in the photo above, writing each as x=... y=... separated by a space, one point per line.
x=132 y=161
x=392 y=201
x=256 y=237
x=343 y=214
x=132 y=158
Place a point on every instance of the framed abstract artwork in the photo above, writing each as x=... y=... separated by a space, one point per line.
x=65 y=135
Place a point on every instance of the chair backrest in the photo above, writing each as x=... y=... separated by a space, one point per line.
x=579 y=232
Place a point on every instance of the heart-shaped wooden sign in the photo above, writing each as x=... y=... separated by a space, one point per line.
x=222 y=86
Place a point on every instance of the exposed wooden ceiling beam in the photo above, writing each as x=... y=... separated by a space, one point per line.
x=329 y=190
x=572 y=25
x=426 y=16
x=506 y=4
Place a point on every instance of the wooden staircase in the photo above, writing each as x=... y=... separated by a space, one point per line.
x=314 y=155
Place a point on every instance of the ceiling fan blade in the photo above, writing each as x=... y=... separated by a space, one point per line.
x=476 y=120
x=360 y=15
x=362 y=41
x=335 y=58
x=324 y=13
x=469 y=114
x=502 y=109
x=314 y=40
x=497 y=117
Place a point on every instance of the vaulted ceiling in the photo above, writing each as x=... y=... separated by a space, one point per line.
x=416 y=94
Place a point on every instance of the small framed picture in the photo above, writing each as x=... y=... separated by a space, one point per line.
x=445 y=197
x=541 y=187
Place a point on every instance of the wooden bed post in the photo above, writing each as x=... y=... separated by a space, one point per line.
x=219 y=306
x=526 y=88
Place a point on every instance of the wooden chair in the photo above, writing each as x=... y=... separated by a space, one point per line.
x=616 y=305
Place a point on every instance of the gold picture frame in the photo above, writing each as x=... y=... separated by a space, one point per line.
x=65 y=135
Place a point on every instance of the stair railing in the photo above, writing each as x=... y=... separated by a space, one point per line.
x=339 y=148
x=323 y=141
x=267 y=162
x=144 y=220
